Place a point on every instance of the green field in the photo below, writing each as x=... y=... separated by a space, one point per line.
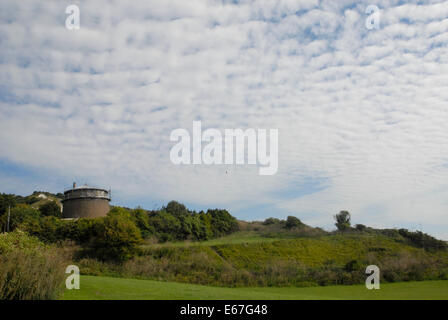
x=107 y=288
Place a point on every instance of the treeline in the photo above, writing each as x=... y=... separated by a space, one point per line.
x=118 y=235
x=176 y=222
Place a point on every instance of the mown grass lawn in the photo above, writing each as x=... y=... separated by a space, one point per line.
x=107 y=288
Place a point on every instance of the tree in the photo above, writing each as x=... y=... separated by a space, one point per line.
x=6 y=200
x=120 y=211
x=141 y=219
x=293 y=222
x=22 y=213
x=342 y=220
x=49 y=209
x=116 y=238
x=165 y=225
x=176 y=209
x=222 y=222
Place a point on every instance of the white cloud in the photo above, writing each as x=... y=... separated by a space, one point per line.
x=363 y=110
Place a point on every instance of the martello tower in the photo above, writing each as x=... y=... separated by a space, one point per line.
x=85 y=202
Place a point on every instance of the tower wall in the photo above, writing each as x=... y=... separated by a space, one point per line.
x=85 y=203
x=85 y=208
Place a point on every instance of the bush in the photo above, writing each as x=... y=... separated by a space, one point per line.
x=271 y=221
x=141 y=220
x=293 y=222
x=119 y=211
x=28 y=269
x=222 y=222
x=352 y=265
x=115 y=238
x=50 y=208
x=22 y=213
x=423 y=240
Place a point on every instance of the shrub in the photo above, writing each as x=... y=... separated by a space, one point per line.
x=141 y=220
x=222 y=222
x=50 y=208
x=115 y=238
x=270 y=221
x=119 y=211
x=423 y=240
x=28 y=269
x=293 y=222
x=352 y=265
x=22 y=213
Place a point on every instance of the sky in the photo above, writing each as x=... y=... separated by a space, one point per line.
x=361 y=113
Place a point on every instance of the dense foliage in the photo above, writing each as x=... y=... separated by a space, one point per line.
x=115 y=238
x=6 y=200
x=118 y=235
x=28 y=268
x=342 y=220
x=50 y=208
x=423 y=240
x=293 y=222
x=21 y=213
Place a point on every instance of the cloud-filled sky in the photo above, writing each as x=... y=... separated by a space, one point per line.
x=361 y=114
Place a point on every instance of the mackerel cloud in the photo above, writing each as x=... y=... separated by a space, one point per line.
x=361 y=114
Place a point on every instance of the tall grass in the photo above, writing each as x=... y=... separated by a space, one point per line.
x=29 y=270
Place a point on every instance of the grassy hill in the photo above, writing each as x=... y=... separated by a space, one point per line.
x=314 y=252
x=107 y=288
x=251 y=259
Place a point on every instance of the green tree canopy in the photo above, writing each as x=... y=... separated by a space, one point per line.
x=7 y=200
x=293 y=222
x=342 y=220
x=50 y=209
x=116 y=238
x=22 y=213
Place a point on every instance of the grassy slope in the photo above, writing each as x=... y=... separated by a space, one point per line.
x=249 y=259
x=312 y=251
x=107 y=288
x=250 y=250
x=234 y=238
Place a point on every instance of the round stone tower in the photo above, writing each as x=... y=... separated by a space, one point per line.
x=85 y=202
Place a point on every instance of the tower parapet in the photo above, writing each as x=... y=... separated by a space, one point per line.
x=85 y=202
